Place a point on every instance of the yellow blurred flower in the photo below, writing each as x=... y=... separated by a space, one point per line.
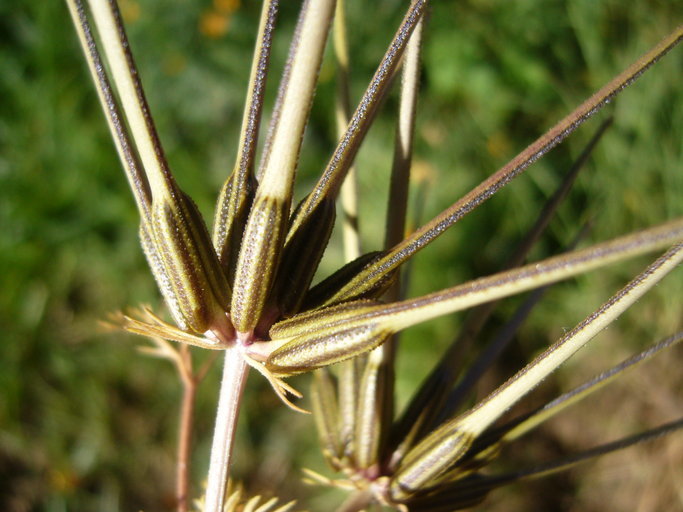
x=214 y=24
x=226 y=6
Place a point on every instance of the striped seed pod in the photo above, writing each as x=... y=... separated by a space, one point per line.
x=160 y=275
x=429 y=460
x=325 y=347
x=321 y=338
x=232 y=210
x=311 y=321
x=301 y=256
x=258 y=260
x=189 y=264
x=328 y=291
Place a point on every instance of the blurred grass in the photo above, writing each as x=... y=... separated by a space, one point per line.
x=88 y=424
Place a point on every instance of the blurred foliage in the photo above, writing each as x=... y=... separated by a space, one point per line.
x=89 y=424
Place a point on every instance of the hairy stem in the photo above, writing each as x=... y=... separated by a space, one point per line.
x=232 y=387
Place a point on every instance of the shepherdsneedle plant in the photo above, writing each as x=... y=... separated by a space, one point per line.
x=245 y=289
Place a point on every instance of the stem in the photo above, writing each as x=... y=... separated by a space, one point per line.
x=492 y=407
x=342 y=110
x=349 y=371
x=127 y=81
x=184 y=444
x=344 y=154
x=232 y=386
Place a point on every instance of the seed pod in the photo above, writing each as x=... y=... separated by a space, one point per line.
x=350 y=373
x=160 y=275
x=232 y=210
x=190 y=263
x=326 y=415
x=237 y=194
x=373 y=411
x=301 y=256
x=312 y=321
x=258 y=260
x=327 y=292
x=430 y=459
x=324 y=347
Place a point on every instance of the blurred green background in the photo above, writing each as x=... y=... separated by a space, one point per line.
x=87 y=423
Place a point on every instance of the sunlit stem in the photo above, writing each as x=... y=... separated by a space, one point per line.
x=232 y=386
x=112 y=110
x=189 y=382
x=406 y=313
x=342 y=111
x=576 y=395
x=110 y=29
x=524 y=381
x=346 y=150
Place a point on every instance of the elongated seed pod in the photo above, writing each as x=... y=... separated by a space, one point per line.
x=268 y=220
x=326 y=415
x=324 y=347
x=237 y=194
x=258 y=259
x=301 y=256
x=431 y=458
x=350 y=373
x=232 y=210
x=160 y=275
x=372 y=411
x=190 y=263
x=312 y=321
x=326 y=293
